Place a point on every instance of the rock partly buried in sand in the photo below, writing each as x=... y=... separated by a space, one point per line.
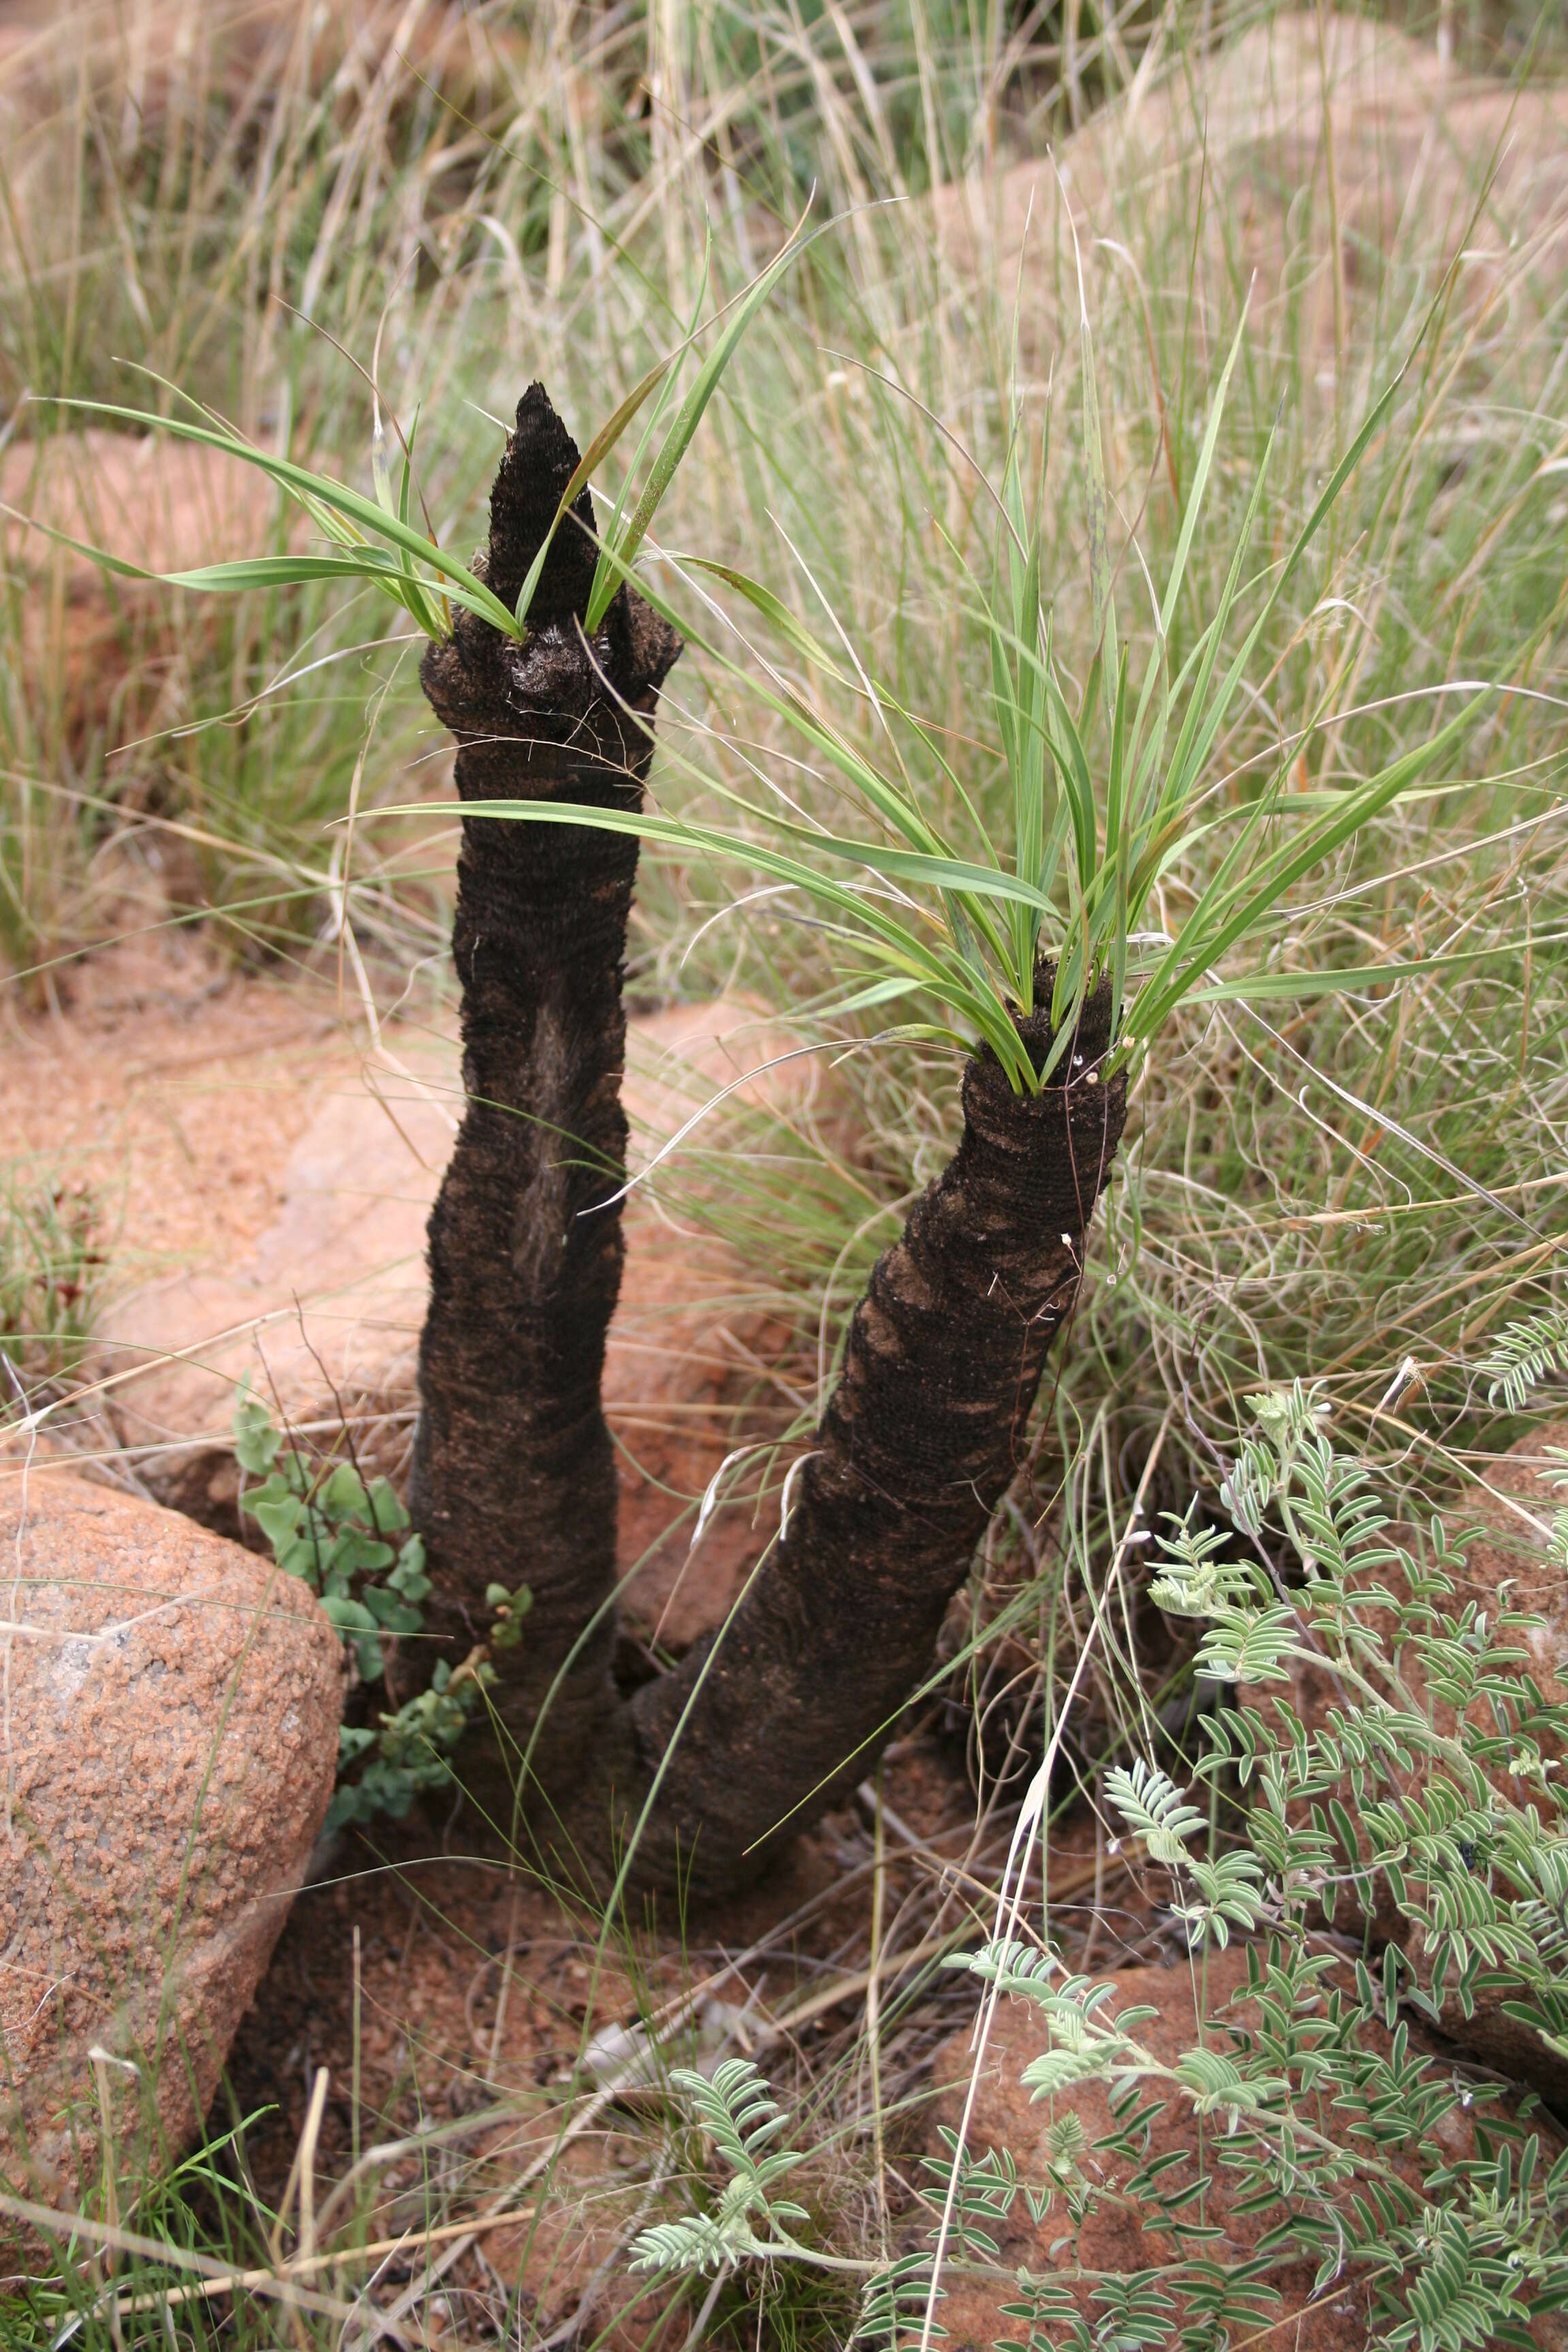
x=170 y=1743
x=323 y=1310
x=1424 y=164
x=1121 y=2234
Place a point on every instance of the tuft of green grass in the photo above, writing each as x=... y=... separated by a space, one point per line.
x=52 y=1255
x=1096 y=828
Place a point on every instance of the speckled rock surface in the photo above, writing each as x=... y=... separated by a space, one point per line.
x=168 y=1739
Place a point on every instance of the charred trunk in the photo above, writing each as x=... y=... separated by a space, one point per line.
x=513 y=1480
x=764 y=1727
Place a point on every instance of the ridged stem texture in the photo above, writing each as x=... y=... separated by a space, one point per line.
x=762 y=1728
x=514 y=1479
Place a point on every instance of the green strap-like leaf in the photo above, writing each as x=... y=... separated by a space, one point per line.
x=598 y=449
x=608 y=574
x=335 y=496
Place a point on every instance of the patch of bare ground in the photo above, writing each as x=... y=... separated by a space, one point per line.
x=495 y=2028
x=165 y=1083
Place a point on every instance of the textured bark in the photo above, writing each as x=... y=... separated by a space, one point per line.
x=514 y=1475
x=514 y=1478
x=790 y=1706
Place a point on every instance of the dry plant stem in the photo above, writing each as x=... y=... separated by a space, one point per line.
x=514 y=1478
x=922 y=1437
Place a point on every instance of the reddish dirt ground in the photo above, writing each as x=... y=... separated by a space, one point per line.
x=488 y=2016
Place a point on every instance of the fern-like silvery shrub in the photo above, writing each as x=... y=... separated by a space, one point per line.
x=1394 y=1860
x=1530 y=1349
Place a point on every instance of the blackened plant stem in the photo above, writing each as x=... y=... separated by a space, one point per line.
x=514 y=1476
x=788 y=1707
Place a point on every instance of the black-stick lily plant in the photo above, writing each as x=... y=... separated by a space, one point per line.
x=374 y=542
x=965 y=934
x=970 y=935
x=1034 y=961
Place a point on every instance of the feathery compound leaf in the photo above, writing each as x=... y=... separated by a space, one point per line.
x=893 y=2301
x=978 y=2192
x=1227 y=1892
x=691 y=2245
x=1016 y=1966
x=1249 y=1645
x=1059 y=2069
x=1215 y=2082
x=739 y=2113
x=1193 y=1582
x=1152 y=1805
x=1525 y=1353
